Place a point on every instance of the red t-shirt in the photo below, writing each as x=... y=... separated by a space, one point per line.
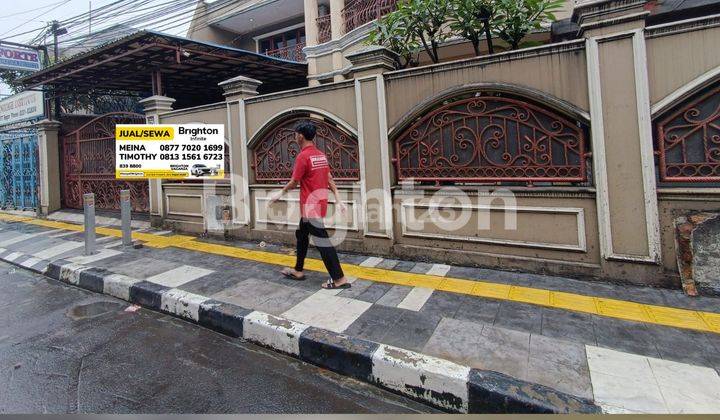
x=313 y=173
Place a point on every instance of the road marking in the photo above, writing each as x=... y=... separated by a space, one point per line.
x=611 y=308
x=179 y=276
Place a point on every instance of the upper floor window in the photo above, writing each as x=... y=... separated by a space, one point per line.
x=287 y=45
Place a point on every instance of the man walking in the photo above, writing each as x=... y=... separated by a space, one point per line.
x=312 y=173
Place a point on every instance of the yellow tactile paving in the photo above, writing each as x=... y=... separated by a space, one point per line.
x=613 y=308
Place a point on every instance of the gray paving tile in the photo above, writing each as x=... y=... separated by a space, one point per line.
x=388 y=264
x=564 y=378
x=678 y=299
x=144 y=267
x=685 y=346
x=373 y=293
x=249 y=294
x=478 y=309
x=558 y=351
x=484 y=274
x=411 y=331
x=628 y=336
x=505 y=351
x=213 y=283
x=421 y=268
x=282 y=299
x=520 y=316
x=394 y=296
x=358 y=287
x=404 y=266
x=457 y=341
x=568 y=325
x=374 y=323
x=442 y=304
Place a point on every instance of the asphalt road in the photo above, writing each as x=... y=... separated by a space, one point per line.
x=66 y=350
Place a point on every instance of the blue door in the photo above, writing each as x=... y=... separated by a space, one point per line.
x=18 y=169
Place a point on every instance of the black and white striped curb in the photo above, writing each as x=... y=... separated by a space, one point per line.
x=23 y=260
x=435 y=381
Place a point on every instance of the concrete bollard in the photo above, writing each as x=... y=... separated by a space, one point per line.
x=125 y=217
x=89 y=210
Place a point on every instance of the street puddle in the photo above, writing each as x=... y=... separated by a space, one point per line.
x=92 y=310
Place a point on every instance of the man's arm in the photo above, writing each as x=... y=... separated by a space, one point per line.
x=275 y=196
x=338 y=201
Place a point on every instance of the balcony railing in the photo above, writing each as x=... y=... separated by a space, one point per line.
x=291 y=53
x=359 y=12
x=324 y=29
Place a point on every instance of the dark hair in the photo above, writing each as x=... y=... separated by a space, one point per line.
x=307 y=129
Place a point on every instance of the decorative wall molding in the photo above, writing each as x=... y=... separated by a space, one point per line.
x=352 y=206
x=384 y=155
x=475 y=62
x=581 y=245
x=682 y=26
x=647 y=150
x=175 y=213
x=286 y=113
x=685 y=92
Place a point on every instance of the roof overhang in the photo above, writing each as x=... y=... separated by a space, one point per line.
x=188 y=68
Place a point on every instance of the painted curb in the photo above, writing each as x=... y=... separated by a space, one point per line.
x=437 y=382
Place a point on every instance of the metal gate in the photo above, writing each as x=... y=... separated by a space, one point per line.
x=18 y=169
x=89 y=165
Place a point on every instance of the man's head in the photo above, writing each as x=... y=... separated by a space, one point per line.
x=305 y=131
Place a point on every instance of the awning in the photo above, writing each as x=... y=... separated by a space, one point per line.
x=187 y=70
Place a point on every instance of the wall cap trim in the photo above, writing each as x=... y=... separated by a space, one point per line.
x=555 y=48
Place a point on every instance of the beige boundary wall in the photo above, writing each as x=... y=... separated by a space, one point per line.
x=619 y=226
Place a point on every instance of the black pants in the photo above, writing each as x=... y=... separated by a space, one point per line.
x=329 y=256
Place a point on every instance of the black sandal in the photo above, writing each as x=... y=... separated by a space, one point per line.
x=292 y=276
x=330 y=285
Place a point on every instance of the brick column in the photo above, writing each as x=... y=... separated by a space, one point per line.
x=48 y=166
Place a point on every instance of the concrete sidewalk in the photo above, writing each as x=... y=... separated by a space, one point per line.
x=621 y=365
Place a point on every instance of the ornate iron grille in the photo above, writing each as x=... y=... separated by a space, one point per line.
x=275 y=153
x=18 y=169
x=291 y=53
x=89 y=165
x=324 y=29
x=491 y=139
x=688 y=141
x=359 y=12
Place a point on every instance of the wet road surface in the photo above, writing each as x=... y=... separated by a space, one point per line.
x=66 y=350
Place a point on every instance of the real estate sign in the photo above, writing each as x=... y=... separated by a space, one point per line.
x=21 y=107
x=170 y=151
x=16 y=58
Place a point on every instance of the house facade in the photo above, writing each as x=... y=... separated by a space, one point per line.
x=601 y=143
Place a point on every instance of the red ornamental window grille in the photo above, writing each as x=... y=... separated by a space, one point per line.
x=275 y=153
x=324 y=29
x=688 y=141
x=492 y=139
x=359 y=12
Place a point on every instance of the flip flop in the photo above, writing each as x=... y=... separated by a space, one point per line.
x=330 y=285
x=292 y=276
